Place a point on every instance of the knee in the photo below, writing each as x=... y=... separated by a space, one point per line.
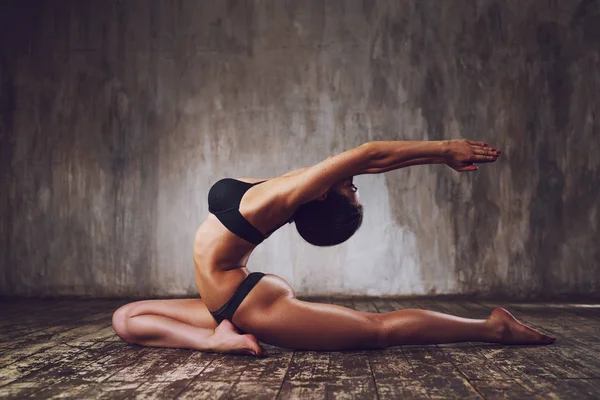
x=120 y=323
x=379 y=332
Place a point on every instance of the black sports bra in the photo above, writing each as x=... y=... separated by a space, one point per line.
x=224 y=200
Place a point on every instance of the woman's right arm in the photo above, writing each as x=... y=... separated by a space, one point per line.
x=382 y=156
x=457 y=154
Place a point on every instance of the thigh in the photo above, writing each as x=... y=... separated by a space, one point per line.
x=296 y=324
x=189 y=311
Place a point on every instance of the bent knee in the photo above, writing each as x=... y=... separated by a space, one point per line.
x=378 y=331
x=120 y=323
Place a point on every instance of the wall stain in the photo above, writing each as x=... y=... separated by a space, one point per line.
x=114 y=121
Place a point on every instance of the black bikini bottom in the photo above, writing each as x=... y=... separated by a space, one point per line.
x=229 y=308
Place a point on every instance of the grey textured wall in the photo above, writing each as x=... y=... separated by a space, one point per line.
x=117 y=116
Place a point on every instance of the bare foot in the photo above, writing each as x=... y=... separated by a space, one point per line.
x=510 y=331
x=227 y=339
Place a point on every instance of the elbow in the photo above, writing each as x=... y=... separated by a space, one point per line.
x=370 y=151
x=375 y=159
x=372 y=157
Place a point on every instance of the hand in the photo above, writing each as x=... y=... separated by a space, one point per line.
x=461 y=154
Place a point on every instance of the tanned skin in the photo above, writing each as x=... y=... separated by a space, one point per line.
x=271 y=313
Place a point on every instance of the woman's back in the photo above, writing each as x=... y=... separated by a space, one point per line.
x=241 y=210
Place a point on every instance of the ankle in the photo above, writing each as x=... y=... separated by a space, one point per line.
x=497 y=329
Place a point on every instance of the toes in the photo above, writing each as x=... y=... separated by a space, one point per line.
x=549 y=339
x=255 y=346
x=259 y=351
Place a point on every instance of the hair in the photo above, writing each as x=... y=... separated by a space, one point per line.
x=328 y=222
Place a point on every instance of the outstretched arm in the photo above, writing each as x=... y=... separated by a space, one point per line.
x=457 y=154
x=382 y=156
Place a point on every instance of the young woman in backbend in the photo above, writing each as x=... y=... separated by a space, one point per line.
x=324 y=204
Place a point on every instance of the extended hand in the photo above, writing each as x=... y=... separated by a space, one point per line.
x=462 y=154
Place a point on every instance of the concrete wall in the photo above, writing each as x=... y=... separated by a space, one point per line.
x=117 y=116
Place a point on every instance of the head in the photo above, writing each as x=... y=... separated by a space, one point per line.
x=332 y=218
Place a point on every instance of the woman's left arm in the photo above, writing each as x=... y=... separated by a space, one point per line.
x=291 y=173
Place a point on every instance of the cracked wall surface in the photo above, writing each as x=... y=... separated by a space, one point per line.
x=117 y=116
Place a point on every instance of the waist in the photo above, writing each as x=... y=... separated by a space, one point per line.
x=217 y=286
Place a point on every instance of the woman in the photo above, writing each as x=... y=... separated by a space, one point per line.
x=324 y=204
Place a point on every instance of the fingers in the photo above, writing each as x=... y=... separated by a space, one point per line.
x=471 y=167
x=481 y=144
x=483 y=158
x=486 y=151
x=483 y=148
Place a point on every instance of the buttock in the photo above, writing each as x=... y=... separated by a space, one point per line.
x=265 y=293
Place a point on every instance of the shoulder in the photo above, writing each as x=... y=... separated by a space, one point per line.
x=291 y=190
x=252 y=180
x=312 y=182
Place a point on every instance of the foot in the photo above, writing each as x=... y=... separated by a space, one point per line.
x=227 y=339
x=507 y=330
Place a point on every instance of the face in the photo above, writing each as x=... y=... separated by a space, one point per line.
x=346 y=188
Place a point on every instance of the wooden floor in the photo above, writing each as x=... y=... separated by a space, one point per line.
x=67 y=348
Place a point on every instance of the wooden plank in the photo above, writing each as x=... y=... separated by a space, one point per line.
x=226 y=368
x=472 y=363
x=16 y=340
x=64 y=364
x=405 y=304
x=349 y=364
x=202 y=389
x=105 y=334
x=175 y=379
x=269 y=369
x=43 y=342
x=43 y=316
x=291 y=390
x=566 y=362
x=365 y=305
x=309 y=366
x=108 y=390
x=561 y=388
x=77 y=369
x=36 y=334
x=501 y=389
x=251 y=390
x=401 y=389
x=80 y=331
x=344 y=388
x=116 y=357
x=152 y=366
x=16 y=309
x=569 y=356
x=391 y=364
x=158 y=390
x=343 y=302
x=21 y=368
x=79 y=389
x=440 y=387
x=384 y=305
x=516 y=361
x=430 y=361
x=190 y=368
x=325 y=374
x=19 y=390
x=565 y=328
x=441 y=378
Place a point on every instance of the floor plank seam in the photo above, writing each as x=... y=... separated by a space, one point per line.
x=195 y=377
x=62 y=380
x=569 y=367
x=47 y=365
x=285 y=376
x=374 y=380
x=57 y=343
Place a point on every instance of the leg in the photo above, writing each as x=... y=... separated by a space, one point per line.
x=291 y=323
x=180 y=323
